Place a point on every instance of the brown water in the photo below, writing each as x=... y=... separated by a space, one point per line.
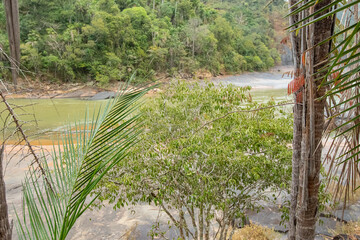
x=45 y=119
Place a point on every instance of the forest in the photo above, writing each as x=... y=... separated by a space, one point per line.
x=108 y=40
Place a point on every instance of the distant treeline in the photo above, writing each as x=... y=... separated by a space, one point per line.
x=107 y=40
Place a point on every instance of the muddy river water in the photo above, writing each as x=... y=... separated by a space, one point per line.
x=46 y=118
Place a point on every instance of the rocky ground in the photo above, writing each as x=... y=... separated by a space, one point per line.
x=135 y=222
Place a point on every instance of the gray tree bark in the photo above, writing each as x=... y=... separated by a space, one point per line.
x=5 y=228
x=13 y=29
x=308 y=122
x=297 y=135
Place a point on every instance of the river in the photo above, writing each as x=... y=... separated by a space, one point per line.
x=46 y=118
x=265 y=86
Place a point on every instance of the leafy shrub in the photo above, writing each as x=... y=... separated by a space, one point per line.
x=199 y=163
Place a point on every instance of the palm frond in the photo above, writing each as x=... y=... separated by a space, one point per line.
x=86 y=153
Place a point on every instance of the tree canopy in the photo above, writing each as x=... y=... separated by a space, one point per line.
x=106 y=40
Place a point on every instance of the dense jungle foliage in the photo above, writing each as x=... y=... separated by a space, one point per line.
x=106 y=40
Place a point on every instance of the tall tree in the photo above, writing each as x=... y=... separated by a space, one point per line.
x=13 y=29
x=295 y=40
x=309 y=110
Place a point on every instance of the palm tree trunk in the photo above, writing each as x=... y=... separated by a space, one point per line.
x=308 y=124
x=295 y=168
x=5 y=229
x=295 y=42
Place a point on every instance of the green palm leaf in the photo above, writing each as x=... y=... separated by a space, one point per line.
x=87 y=152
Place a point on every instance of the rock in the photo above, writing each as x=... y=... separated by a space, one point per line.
x=103 y=95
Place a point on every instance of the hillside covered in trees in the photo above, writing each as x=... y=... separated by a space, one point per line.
x=105 y=40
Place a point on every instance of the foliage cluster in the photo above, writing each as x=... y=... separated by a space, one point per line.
x=109 y=39
x=200 y=173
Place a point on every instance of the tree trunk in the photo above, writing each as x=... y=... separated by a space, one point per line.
x=308 y=123
x=295 y=42
x=5 y=228
x=13 y=29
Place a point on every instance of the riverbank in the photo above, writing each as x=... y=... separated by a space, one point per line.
x=35 y=89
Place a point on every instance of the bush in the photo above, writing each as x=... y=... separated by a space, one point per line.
x=198 y=169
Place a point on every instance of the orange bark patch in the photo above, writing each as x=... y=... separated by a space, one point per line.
x=295 y=85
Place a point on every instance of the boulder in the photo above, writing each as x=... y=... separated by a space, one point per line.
x=103 y=95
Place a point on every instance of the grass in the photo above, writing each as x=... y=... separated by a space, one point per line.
x=351 y=229
x=255 y=232
x=352 y=198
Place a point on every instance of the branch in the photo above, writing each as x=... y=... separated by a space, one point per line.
x=240 y=111
x=18 y=126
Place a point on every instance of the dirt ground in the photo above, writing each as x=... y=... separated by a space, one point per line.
x=37 y=89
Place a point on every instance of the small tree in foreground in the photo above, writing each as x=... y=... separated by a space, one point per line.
x=206 y=157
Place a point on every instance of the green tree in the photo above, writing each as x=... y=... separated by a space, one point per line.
x=196 y=160
x=74 y=40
